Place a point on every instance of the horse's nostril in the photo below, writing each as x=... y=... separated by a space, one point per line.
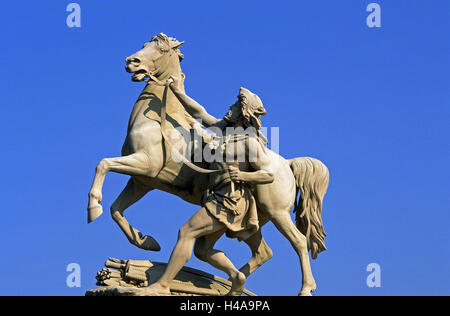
x=133 y=60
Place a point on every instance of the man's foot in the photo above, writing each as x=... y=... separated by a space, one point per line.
x=155 y=289
x=238 y=284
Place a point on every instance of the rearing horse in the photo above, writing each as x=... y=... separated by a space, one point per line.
x=146 y=158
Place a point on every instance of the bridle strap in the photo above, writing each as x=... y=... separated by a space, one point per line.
x=152 y=78
x=151 y=75
x=166 y=137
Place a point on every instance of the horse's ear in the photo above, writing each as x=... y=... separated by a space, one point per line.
x=176 y=44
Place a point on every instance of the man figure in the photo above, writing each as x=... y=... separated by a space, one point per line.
x=228 y=205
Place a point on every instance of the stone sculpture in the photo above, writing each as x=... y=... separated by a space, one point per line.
x=237 y=194
x=124 y=277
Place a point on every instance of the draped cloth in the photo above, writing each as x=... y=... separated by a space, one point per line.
x=237 y=211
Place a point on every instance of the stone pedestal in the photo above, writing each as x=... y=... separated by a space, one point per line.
x=125 y=277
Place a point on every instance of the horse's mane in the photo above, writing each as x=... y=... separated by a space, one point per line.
x=167 y=43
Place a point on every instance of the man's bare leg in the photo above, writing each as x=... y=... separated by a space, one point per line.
x=203 y=249
x=200 y=224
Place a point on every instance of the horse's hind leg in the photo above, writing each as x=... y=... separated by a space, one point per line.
x=285 y=225
x=133 y=192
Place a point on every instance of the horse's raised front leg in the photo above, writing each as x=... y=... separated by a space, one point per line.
x=137 y=164
x=133 y=192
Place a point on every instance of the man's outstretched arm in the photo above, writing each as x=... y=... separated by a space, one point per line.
x=192 y=107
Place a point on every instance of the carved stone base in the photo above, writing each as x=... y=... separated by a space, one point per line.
x=125 y=277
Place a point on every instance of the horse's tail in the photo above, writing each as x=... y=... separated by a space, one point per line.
x=311 y=177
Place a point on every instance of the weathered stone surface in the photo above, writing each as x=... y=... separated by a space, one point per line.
x=130 y=277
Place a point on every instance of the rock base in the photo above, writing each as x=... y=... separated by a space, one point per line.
x=126 y=277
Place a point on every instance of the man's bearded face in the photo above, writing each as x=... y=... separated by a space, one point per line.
x=234 y=114
x=247 y=110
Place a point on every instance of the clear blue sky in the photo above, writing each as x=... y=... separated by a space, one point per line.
x=373 y=104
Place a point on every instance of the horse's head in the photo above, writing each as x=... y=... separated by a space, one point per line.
x=160 y=57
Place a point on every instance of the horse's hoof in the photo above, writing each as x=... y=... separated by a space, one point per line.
x=94 y=212
x=149 y=243
x=307 y=290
